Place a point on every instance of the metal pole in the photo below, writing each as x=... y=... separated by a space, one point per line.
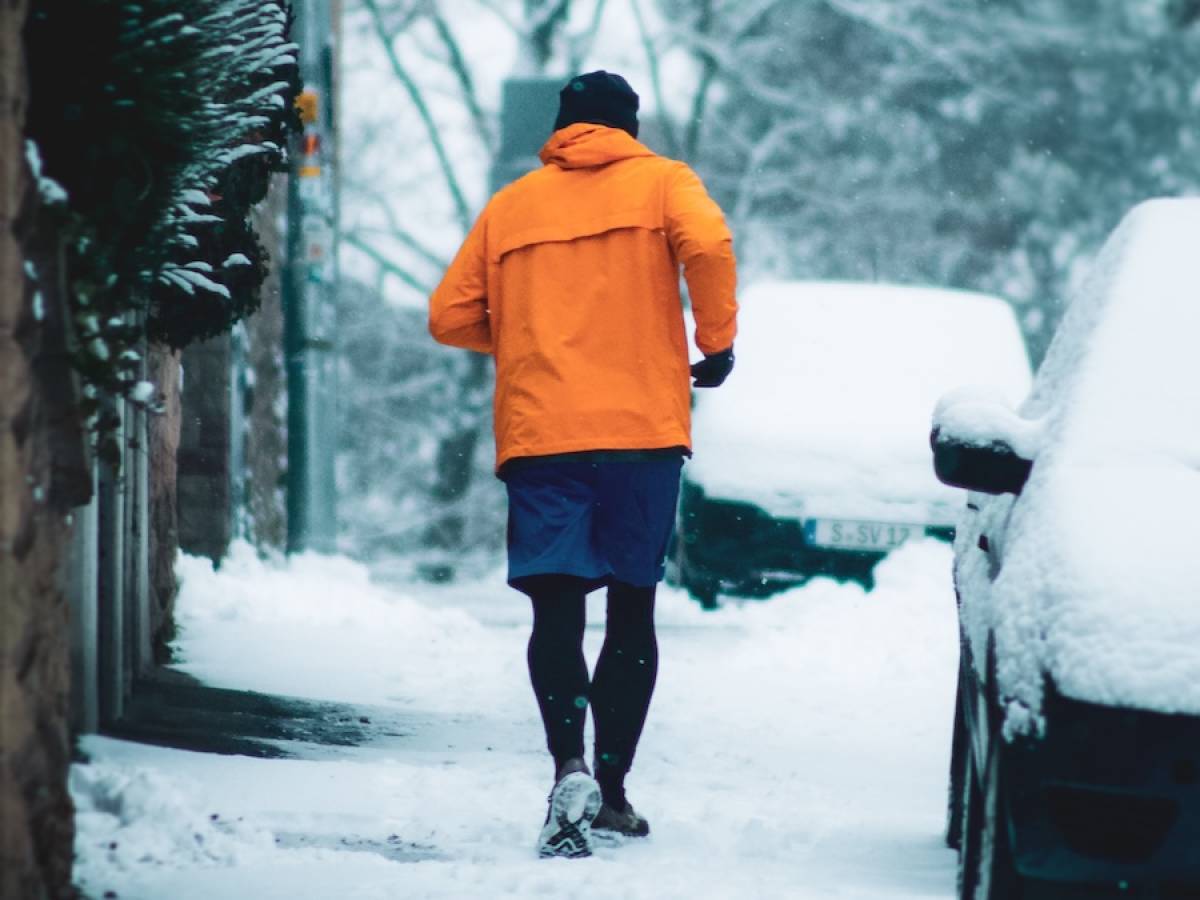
x=85 y=618
x=138 y=464
x=111 y=590
x=310 y=292
x=238 y=513
x=129 y=546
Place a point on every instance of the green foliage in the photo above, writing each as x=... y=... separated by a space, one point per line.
x=162 y=120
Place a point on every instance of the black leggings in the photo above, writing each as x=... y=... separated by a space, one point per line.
x=620 y=689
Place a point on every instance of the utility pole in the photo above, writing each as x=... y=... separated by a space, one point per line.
x=310 y=290
x=528 y=107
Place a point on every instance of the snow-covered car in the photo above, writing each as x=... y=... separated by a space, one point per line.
x=1076 y=753
x=813 y=458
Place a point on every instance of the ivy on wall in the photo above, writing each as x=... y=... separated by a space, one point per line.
x=161 y=121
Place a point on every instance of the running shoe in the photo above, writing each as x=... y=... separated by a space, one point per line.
x=572 y=805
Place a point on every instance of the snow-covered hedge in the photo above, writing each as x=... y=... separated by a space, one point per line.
x=154 y=127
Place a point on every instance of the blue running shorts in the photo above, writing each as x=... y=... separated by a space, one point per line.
x=600 y=519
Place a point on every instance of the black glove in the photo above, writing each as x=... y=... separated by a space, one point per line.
x=713 y=369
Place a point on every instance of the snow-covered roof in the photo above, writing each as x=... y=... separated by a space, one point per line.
x=827 y=410
x=1100 y=585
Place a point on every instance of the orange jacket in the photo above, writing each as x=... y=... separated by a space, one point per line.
x=570 y=278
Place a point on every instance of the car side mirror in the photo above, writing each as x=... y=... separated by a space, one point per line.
x=991 y=469
x=980 y=444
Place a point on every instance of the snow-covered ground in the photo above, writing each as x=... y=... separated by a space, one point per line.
x=796 y=748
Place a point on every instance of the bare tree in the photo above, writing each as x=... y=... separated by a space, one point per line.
x=978 y=145
x=426 y=58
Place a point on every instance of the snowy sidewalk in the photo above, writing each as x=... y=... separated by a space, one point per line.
x=796 y=748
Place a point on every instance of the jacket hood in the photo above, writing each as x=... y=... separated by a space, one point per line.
x=583 y=145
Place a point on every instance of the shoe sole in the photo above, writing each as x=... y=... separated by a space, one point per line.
x=567 y=833
x=612 y=832
x=599 y=831
x=609 y=840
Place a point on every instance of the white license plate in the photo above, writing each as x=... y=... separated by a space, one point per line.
x=855 y=534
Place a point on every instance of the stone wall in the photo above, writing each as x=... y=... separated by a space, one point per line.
x=36 y=816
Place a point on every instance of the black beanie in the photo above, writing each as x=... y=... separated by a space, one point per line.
x=602 y=98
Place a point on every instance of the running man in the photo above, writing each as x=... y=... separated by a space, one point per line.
x=570 y=280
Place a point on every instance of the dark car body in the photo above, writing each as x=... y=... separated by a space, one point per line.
x=1083 y=780
x=1106 y=802
x=732 y=547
